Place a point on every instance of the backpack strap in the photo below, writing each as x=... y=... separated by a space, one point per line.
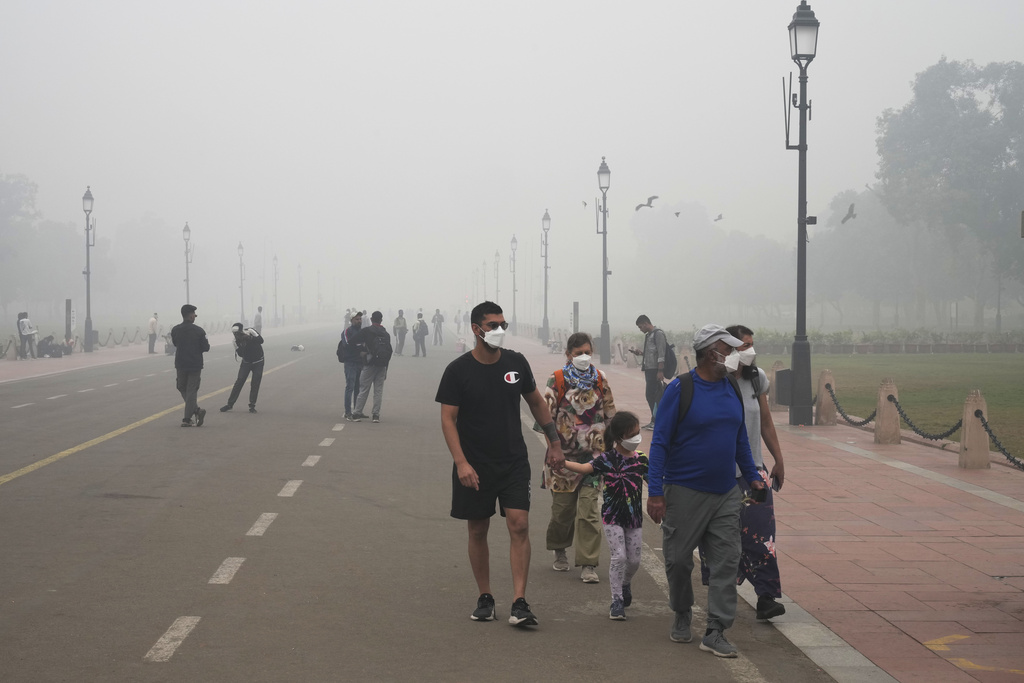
x=559 y=386
x=686 y=395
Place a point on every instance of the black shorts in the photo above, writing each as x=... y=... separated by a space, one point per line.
x=509 y=486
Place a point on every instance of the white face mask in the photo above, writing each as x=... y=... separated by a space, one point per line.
x=632 y=443
x=494 y=338
x=732 y=361
x=747 y=357
x=581 y=362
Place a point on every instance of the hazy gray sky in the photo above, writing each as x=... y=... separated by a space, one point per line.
x=365 y=138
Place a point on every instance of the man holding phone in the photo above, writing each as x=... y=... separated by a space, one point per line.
x=692 y=486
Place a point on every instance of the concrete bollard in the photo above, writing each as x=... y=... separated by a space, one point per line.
x=887 y=418
x=973 y=437
x=825 y=408
x=773 y=403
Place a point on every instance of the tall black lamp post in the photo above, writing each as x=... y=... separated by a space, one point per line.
x=276 y=319
x=545 y=225
x=497 y=262
x=241 y=282
x=186 y=233
x=90 y=241
x=803 y=43
x=604 y=181
x=512 y=266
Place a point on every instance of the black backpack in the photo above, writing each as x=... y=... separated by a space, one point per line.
x=380 y=351
x=341 y=349
x=671 y=363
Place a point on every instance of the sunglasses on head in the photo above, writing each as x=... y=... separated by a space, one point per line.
x=494 y=324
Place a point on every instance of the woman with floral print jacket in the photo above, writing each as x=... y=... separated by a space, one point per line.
x=581 y=403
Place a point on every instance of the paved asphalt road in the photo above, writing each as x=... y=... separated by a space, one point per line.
x=110 y=553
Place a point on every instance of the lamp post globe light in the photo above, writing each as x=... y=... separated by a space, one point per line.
x=497 y=262
x=89 y=242
x=604 y=181
x=186 y=234
x=276 y=319
x=241 y=282
x=545 y=225
x=803 y=44
x=512 y=264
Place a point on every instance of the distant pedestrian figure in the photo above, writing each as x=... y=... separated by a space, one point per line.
x=438 y=321
x=458 y=321
x=190 y=343
x=400 y=328
x=652 y=363
x=152 y=333
x=465 y=322
x=28 y=332
x=249 y=348
x=377 y=344
x=419 y=335
x=351 y=355
x=348 y=317
x=257 y=322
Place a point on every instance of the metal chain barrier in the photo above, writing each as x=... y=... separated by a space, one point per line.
x=855 y=423
x=123 y=335
x=1016 y=462
x=8 y=348
x=919 y=432
x=109 y=335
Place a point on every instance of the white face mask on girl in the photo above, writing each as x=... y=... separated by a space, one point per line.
x=581 y=362
x=632 y=443
x=747 y=356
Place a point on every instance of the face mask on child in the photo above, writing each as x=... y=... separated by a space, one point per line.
x=632 y=443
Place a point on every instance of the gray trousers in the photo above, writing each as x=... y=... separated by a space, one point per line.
x=375 y=375
x=713 y=521
x=188 y=387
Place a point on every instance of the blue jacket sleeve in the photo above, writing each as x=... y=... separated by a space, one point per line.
x=664 y=431
x=744 y=458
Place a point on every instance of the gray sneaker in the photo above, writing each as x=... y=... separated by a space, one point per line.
x=561 y=561
x=681 y=628
x=589 y=574
x=716 y=644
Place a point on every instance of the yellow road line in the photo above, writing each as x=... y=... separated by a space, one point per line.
x=117 y=432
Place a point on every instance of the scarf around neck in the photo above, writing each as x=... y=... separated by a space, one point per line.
x=583 y=381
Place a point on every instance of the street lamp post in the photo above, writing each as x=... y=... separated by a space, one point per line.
x=300 y=293
x=241 y=281
x=604 y=181
x=803 y=44
x=483 y=278
x=90 y=241
x=546 y=225
x=497 y=262
x=276 y=319
x=186 y=233
x=512 y=267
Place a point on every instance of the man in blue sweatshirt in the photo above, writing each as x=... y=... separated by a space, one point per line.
x=692 y=486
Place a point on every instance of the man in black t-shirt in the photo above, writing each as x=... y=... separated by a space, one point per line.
x=479 y=395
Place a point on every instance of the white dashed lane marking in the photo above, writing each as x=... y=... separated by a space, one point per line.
x=134 y=379
x=82 y=391
x=261 y=524
x=151 y=374
x=338 y=427
x=169 y=641
x=50 y=398
x=290 y=488
x=311 y=461
x=22 y=405
x=227 y=570
x=106 y=386
x=327 y=442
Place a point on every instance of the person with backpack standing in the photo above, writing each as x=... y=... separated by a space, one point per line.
x=350 y=353
x=700 y=437
x=580 y=400
x=419 y=335
x=377 y=344
x=652 y=364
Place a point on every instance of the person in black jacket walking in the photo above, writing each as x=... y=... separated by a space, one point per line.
x=190 y=343
x=376 y=343
x=248 y=347
x=351 y=354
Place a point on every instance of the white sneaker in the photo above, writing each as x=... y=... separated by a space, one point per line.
x=589 y=574
x=561 y=561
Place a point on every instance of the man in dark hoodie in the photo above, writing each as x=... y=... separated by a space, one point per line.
x=352 y=356
x=249 y=348
x=190 y=343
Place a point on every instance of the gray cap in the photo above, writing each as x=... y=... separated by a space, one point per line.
x=709 y=334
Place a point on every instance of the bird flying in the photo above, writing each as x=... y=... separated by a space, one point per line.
x=649 y=203
x=849 y=214
x=677 y=214
x=584 y=205
x=717 y=219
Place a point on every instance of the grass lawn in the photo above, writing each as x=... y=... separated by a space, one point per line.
x=932 y=387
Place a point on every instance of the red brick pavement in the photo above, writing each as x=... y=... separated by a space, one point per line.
x=915 y=563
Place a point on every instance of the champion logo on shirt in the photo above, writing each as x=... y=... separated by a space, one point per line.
x=511 y=377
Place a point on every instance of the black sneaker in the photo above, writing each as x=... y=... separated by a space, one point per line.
x=484 y=608
x=768 y=608
x=200 y=416
x=186 y=423
x=617 y=612
x=359 y=416
x=521 y=614
x=350 y=418
x=226 y=408
x=376 y=418
x=627 y=595
x=252 y=409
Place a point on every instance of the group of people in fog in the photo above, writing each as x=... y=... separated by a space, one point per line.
x=708 y=486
